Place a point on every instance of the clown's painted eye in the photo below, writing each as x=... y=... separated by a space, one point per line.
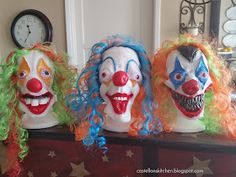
x=104 y=74
x=178 y=77
x=202 y=72
x=203 y=75
x=134 y=71
x=22 y=74
x=45 y=73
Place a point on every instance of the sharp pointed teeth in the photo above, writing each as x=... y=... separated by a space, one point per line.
x=198 y=106
x=43 y=101
x=34 y=102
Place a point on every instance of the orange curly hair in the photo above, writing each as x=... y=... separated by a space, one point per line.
x=219 y=115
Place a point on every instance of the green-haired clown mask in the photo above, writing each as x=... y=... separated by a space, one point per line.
x=35 y=77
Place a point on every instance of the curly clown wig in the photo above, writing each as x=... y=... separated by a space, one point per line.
x=88 y=97
x=10 y=122
x=219 y=115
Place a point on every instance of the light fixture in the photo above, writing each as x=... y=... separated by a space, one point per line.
x=188 y=23
x=197 y=2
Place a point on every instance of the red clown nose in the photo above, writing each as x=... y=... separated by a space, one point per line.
x=191 y=87
x=120 y=78
x=34 y=85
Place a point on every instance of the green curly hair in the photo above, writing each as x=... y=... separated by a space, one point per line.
x=10 y=123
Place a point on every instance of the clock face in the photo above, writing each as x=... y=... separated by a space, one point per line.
x=30 y=27
x=29 y=30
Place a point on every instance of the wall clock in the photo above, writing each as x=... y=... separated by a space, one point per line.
x=30 y=27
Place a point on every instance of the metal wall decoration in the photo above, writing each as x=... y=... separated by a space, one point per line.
x=189 y=10
x=229 y=40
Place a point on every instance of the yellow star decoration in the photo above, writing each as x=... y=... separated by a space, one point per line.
x=129 y=153
x=30 y=174
x=105 y=158
x=3 y=158
x=201 y=167
x=53 y=174
x=51 y=154
x=78 y=170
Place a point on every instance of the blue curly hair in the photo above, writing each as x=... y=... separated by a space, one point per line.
x=88 y=96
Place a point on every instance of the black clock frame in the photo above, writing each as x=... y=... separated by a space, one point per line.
x=41 y=16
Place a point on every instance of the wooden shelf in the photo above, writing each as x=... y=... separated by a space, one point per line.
x=190 y=141
x=57 y=151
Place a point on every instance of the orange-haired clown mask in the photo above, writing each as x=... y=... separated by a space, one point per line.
x=188 y=80
x=35 y=78
x=120 y=78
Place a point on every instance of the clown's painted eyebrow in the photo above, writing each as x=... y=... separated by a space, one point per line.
x=114 y=64
x=24 y=64
x=127 y=65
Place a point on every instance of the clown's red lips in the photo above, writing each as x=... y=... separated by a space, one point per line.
x=119 y=102
x=189 y=106
x=36 y=104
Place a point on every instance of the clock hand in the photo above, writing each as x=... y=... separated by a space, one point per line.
x=28 y=29
x=29 y=32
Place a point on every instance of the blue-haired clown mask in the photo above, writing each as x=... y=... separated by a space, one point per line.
x=120 y=78
x=188 y=81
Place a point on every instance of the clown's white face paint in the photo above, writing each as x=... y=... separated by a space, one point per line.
x=35 y=78
x=188 y=82
x=120 y=77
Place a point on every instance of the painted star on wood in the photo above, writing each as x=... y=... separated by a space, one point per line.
x=51 y=154
x=129 y=153
x=30 y=174
x=201 y=167
x=54 y=174
x=105 y=158
x=3 y=158
x=78 y=170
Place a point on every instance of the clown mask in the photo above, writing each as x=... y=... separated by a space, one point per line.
x=35 y=78
x=120 y=77
x=188 y=81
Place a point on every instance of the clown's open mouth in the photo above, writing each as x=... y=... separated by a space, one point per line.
x=119 y=102
x=189 y=106
x=36 y=104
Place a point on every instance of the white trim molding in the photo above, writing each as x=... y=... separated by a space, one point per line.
x=75 y=32
x=74 y=13
x=157 y=25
